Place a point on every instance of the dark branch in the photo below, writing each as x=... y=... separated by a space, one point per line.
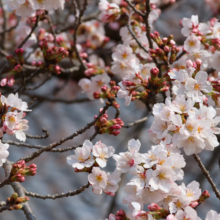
x=57 y=196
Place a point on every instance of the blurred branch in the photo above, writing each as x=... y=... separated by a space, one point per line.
x=3 y=25
x=29 y=35
x=134 y=9
x=136 y=122
x=57 y=196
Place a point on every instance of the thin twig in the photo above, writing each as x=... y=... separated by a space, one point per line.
x=57 y=196
x=29 y=35
x=46 y=135
x=39 y=85
x=134 y=9
x=207 y=175
x=133 y=35
x=135 y=122
x=63 y=140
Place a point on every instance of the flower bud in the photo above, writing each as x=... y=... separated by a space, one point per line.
x=154 y=207
x=96 y=95
x=194 y=204
x=18 y=207
x=189 y=63
x=166 y=49
x=154 y=71
x=4 y=82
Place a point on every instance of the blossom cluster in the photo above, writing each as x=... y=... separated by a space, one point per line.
x=99 y=179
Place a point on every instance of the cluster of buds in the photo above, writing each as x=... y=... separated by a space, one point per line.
x=109 y=126
x=108 y=93
x=93 y=70
x=158 y=212
x=38 y=64
x=9 y=80
x=156 y=84
x=18 y=59
x=52 y=55
x=15 y=202
x=120 y=215
x=20 y=170
x=165 y=46
x=55 y=68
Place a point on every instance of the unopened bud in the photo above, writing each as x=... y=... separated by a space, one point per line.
x=154 y=207
x=154 y=71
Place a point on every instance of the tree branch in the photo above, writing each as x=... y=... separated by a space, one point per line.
x=207 y=175
x=57 y=196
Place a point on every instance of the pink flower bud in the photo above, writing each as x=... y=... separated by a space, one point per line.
x=154 y=71
x=89 y=72
x=121 y=213
x=198 y=62
x=11 y=81
x=166 y=49
x=189 y=63
x=90 y=65
x=194 y=204
x=117 y=127
x=172 y=42
x=128 y=83
x=154 y=207
x=104 y=88
x=96 y=95
x=4 y=82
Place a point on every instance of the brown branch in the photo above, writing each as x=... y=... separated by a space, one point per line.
x=57 y=196
x=29 y=35
x=46 y=135
x=180 y=55
x=134 y=9
x=133 y=35
x=40 y=84
x=63 y=140
x=207 y=175
x=148 y=28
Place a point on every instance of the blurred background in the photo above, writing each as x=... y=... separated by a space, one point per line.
x=54 y=175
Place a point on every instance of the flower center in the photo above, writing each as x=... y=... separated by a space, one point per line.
x=190 y=140
x=189 y=127
x=197 y=87
x=12 y=119
x=182 y=107
x=190 y=193
x=162 y=176
x=99 y=178
x=191 y=43
x=124 y=55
